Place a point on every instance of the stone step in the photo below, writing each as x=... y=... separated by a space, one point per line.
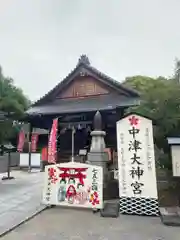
x=170 y=215
x=111 y=209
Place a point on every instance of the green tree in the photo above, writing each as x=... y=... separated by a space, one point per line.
x=160 y=102
x=13 y=102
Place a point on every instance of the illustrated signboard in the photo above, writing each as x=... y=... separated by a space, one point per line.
x=136 y=163
x=73 y=184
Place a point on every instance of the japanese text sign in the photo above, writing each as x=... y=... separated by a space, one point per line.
x=73 y=184
x=136 y=161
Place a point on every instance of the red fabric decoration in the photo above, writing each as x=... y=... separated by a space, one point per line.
x=52 y=143
x=34 y=141
x=21 y=141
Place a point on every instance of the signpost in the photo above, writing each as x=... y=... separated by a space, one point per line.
x=8 y=148
x=136 y=163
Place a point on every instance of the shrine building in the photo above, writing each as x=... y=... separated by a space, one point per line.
x=74 y=101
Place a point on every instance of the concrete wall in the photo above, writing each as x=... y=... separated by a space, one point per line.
x=4 y=161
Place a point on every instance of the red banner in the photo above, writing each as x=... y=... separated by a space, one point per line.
x=34 y=141
x=52 y=145
x=44 y=154
x=21 y=141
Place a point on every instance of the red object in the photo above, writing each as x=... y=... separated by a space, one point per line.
x=71 y=193
x=34 y=141
x=52 y=175
x=108 y=151
x=44 y=154
x=21 y=141
x=78 y=173
x=52 y=145
x=133 y=121
x=94 y=199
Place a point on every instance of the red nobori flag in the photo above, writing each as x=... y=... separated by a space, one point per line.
x=34 y=141
x=52 y=146
x=21 y=141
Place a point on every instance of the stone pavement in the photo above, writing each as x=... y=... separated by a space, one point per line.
x=20 y=198
x=75 y=224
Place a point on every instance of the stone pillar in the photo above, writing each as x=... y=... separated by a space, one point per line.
x=97 y=156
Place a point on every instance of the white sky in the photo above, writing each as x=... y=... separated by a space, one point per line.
x=41 y=40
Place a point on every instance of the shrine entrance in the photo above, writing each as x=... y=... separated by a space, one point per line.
x=73 y=141
x=74 y=102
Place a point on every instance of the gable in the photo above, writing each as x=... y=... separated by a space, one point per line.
x=83 y=81
x=83 y=87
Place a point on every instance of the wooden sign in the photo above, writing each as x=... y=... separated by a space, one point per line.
x=83 y=87
x=73 y=184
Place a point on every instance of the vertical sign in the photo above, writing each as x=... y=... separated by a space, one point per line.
x=74 y=184
x=21 y=141
x=52 y=144
x=34 y=141
x=136 y=163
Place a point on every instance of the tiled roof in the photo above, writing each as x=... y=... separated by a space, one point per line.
x=103 y=102
x=84 y=67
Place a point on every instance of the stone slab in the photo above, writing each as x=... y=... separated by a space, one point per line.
x=75 y=224
x=170 y=216
x=20 y=199
x=111 y=209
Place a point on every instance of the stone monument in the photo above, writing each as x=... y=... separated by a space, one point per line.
x=97 y=155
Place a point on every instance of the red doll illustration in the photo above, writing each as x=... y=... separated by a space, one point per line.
x=71 y=193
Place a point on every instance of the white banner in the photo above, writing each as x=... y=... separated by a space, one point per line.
x=35 y=160
x=136 y=160
x=74 y=184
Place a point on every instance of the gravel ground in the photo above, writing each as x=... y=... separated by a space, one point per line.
x=72 y=224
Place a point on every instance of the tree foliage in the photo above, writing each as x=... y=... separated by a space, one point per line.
x=160 y=102
x=13 y=102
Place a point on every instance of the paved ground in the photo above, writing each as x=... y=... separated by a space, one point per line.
x=4 y=161
x=3 y=165
x=19 y=198
x=70 y=224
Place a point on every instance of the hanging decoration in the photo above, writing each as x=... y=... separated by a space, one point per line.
x=21 y=141
x=34 y=141
x=76 y=126
x=52 y=144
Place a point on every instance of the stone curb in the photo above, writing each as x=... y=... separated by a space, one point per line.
x=14 y=226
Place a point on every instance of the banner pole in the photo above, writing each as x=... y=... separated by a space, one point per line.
x=72 y=159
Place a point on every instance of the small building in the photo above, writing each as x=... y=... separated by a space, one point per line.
x=75 y=100
x=174 y=143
